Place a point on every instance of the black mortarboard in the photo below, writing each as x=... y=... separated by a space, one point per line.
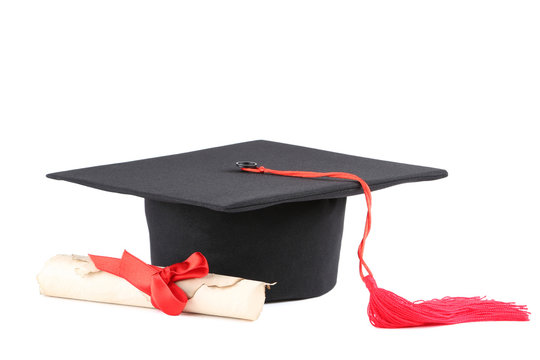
x=262 y=227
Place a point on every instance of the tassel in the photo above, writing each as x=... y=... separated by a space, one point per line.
x=388 y=310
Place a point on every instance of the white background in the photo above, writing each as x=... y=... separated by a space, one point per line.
x=450 y=84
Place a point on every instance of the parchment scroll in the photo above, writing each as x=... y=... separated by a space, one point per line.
x=76 y=277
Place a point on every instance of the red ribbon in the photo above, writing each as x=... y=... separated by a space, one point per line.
x=157 y=282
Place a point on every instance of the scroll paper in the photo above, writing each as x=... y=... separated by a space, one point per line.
x=76 y=277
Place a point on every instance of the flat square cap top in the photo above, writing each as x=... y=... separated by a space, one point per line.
x=211 y=179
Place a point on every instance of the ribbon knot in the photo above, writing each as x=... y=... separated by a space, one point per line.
x=159 y=283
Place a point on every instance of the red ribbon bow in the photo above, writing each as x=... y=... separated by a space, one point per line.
x=157 y=282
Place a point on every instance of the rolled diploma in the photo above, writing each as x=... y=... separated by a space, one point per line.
x=76 y=277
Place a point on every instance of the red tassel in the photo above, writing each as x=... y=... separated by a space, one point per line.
x=388 y=310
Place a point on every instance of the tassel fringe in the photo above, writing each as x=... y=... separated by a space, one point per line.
x=388 y=310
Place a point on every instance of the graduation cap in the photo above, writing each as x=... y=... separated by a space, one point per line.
x=282 y=226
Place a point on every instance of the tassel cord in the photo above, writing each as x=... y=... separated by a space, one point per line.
x=388 y=310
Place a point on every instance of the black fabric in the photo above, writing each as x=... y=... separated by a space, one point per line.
x=210 y=178
x=294 y=244
x=257 y=226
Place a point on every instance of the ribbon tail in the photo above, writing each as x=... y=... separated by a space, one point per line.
x=107 y=264
x=129 y=267
x=168 y=298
